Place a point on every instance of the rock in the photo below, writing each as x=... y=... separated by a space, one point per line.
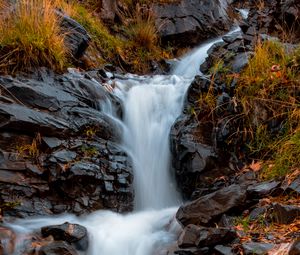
x=194 y=236
x=108 y=10
x=294 y=187
x=189 y=236
x=212 y=236
x=262 y=189
x=285 y=214
x=55 y=248
x=256 y=213
x=7 y=241
x=76 y=37
x=189 y=22
x=71 y=233
x=206 y=209
x=193 y=251
x=223 y=250
x=54 y=140
x=252 y=248
x=295 y=248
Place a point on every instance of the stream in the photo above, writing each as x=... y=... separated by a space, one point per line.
x=151 y=105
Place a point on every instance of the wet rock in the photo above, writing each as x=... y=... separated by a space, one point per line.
x=295 y=248
x=55 y=248
x=262 y=189
x=252 y=248
x=189 y=22
x=206 y=209
x=7 y=241
x=285 y=214
x=71 y=233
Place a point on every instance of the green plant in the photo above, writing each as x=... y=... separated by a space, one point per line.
x=89 y=151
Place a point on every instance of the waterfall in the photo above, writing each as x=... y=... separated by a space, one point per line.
x=151 y=105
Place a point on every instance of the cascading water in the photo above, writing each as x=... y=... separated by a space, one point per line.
x=151 y=105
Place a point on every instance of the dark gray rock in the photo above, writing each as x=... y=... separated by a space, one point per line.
x=262 y=189
x=252 y=248
x=59 y=151
x=285 y=214
x=71 y=233
x=77 y=37
x=189 y=22
x=206 y=209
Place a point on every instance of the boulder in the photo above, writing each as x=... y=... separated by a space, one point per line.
x=187 y=22
x=208 y=208
x=71 y=233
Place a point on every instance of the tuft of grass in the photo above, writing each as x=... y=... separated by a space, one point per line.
x=269 y=90
x=30 y=37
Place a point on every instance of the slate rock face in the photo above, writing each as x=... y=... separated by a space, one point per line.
x=189 y=22
x=59 y=152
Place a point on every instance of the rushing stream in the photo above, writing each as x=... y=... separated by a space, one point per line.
x=151 y=105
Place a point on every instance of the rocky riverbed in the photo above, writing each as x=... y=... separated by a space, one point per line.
x=61 y=153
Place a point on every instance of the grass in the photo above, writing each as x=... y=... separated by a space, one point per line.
x=269 y=92
x=30 y=37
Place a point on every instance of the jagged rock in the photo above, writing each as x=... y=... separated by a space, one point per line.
x=188 y=22
x=262 y=189
x=71 y=233
x=55 y=140
x=55 y=248
x=252 y=248
x=206 y=209
x=285 y=214
x=77 y=38
x=194 y=236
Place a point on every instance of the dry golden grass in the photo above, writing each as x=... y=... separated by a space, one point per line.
x=30 y=37
x=269 y=92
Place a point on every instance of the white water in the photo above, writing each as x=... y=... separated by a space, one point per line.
x=151 y=105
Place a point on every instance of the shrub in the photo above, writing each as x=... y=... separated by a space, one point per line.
x=30 y=37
